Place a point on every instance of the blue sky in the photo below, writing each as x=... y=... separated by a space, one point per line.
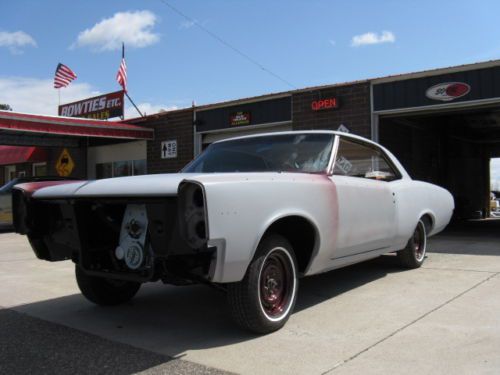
x=172 y=62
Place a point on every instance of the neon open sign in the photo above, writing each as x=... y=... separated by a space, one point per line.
x=329 y=103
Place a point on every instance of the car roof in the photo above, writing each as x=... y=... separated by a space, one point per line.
x=292 y=132
x=399 y=166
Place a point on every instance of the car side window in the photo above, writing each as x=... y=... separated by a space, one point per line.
x=359 y=160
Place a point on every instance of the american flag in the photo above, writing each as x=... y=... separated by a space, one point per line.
x=63 y=76
x=121 y=76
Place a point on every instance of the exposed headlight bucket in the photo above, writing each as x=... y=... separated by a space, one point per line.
x=192 y=214
x=198 y=200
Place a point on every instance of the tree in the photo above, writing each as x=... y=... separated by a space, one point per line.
x=5 y=107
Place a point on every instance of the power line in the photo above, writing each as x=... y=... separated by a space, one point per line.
x=230 y=46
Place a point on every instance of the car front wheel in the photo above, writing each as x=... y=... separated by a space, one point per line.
x=105 y=292
x=413 y=255
x=263 y=301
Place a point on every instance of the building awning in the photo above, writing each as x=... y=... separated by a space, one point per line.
x=18 y=154
x=12 y=122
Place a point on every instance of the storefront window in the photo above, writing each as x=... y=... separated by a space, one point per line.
x=40 y=169
x=139 y=167
x=104 y=170
x=120 y=168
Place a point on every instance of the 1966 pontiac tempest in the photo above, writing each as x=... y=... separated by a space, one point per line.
x=250 y=214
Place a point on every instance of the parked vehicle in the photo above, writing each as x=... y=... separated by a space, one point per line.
x=250 y=214
x=6 y=197
x=494 y=205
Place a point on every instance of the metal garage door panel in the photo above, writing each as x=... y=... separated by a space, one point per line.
x=213 y=137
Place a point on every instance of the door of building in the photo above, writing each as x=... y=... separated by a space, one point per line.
x=10 y=172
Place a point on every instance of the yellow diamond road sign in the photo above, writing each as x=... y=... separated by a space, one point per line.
x=65 y=164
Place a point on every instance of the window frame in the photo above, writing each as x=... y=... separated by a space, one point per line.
x=397 y=176
x=35 y=165
x=131 y=162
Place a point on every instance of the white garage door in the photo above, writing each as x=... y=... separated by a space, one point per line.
x=209 y=138
x=122 y=159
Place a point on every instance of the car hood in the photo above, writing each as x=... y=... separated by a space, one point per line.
x=147 y=185
x=156 y=185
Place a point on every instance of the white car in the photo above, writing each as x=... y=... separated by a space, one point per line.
x=250 y=214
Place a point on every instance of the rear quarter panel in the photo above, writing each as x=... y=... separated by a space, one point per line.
x=416 y=199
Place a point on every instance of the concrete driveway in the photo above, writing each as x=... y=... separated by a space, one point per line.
x=369 y=318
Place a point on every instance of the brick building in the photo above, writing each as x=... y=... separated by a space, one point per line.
x=195 y=128
x=443 y=125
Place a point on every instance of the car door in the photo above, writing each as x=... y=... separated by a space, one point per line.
x=366 y=203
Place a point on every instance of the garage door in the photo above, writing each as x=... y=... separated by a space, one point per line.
x=122 y=159
x=209 y=138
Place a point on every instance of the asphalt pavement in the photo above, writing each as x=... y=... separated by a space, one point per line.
x=30 y=345
x=371 y=318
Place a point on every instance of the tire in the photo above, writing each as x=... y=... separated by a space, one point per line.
x=413 y=255
x=264 y=300
x=105 y=292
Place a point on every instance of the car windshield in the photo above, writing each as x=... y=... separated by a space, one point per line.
x=307 y=153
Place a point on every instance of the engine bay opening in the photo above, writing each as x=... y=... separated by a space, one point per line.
x=127 y=239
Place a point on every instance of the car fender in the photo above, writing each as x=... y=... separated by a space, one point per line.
x=282 y=215
x=241 y=208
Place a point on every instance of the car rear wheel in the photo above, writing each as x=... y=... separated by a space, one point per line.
x=105 y=292
x=263 y=301
x=413 y=255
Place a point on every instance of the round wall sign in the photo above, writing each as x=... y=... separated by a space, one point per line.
x=447 y=91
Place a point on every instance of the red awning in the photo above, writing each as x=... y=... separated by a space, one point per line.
x=17 y=154
x=69 y=126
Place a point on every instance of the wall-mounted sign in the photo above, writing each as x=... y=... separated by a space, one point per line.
x=447 y=91
x=265 y=111
x=329 y=103
x=99 y=107
x=344 y=129
x=240 y=118
x=65 y=164
x=169 y=149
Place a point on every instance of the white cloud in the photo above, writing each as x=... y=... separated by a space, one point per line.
x=187 y=24
x=16 y=40
x=147 y=109
x=38 y=96
x=373 y=38
x=132 y=28
x=33 y=95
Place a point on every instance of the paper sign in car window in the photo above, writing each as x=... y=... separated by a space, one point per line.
x=344 y=165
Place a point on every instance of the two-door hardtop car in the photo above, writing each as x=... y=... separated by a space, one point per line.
x=250 y=214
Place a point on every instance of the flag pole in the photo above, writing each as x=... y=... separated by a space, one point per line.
x=124 y=90
x=131 y=101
